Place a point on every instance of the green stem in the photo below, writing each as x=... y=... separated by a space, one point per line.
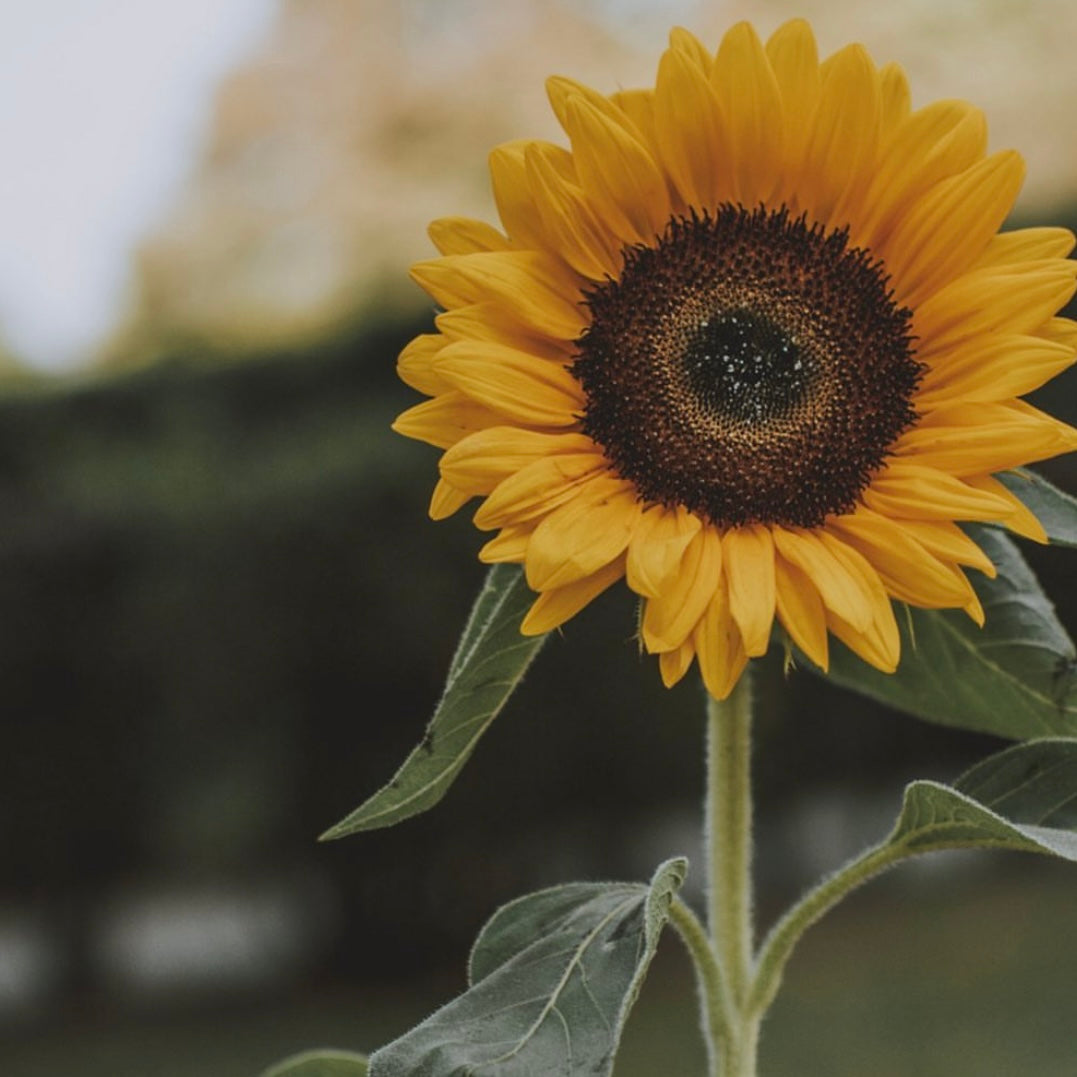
x=715 y=1005
x=784 y=936
x=729 y=834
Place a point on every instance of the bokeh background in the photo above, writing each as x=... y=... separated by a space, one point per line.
x=225 y=617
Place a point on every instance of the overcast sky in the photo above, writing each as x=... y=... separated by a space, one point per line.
x=102 y=107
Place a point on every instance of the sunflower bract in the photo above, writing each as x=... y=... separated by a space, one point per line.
x=754 y=343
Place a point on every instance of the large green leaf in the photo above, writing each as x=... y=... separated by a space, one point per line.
x=489 y=662
x=323 y=1063
x=1014 y=677
x=553 y=976
x=1056 y=510
x=1023 y=799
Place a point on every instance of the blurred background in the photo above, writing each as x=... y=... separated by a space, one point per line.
x=225 y=617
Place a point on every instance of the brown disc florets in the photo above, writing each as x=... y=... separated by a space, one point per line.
x=748 y=366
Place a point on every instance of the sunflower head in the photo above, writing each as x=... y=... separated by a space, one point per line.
x=752 y=342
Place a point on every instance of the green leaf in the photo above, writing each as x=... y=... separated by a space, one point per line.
x=1024 y=798
x=1057 y=511
x=1015 y=677
x=324 y=1063
x=489 y=663
x=553 y=976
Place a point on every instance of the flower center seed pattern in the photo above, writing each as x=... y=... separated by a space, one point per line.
x=749 y=367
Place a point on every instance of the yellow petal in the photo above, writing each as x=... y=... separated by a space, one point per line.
x=686 y=43
x=512 y=195
x=446 y=500
x=509 y=546
x=895 y=100
x=992 y=368
x=621 y=179
x=520 y=386
x=976 y=439
x=879 y=644
x=907 y=570
x=531 y=286
x=947 y=541
x=490 y=321
x=670 y=617
x=657 y=546
x=933 y=144
x=444 y=420
x=462 y=235
x=690 y=132
x=481 y=461
x=537 y=489
x=563 y=91
x=906 y=490
x=638 y=108
x=751 y=102
x=795 y=62
x=1021 y=521
x=1007 y=299
x=416 y=364
x=1026 y=245
x=584 y=534
x=801 y=611
x=1060 y=330
x=674 y=664
x=949 y=227
x=719 y=646
x=844 y=133
x=572 y=229
x=748 y=557
x=553 y=608
x=840 y=589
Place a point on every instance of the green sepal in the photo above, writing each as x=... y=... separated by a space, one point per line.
x=321 y=1063
x=490 y=660
x=1055 y=510
x=553 y=976
x=1015 y=677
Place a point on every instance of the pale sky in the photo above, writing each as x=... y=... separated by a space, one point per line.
x=103 y=104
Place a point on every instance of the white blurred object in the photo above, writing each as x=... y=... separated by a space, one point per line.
x=211 y=938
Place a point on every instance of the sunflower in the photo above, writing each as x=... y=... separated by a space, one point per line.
x=753 y=343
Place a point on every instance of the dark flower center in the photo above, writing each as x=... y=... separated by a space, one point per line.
x=748 y=366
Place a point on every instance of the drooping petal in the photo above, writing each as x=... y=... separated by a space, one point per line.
x=536 y=489
x=719 y=645
x=801 y=611
x=658 y=544
x=748 y=557
x=552 y=608
x=584 y=534
x=670 y=617
x=840 y=589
